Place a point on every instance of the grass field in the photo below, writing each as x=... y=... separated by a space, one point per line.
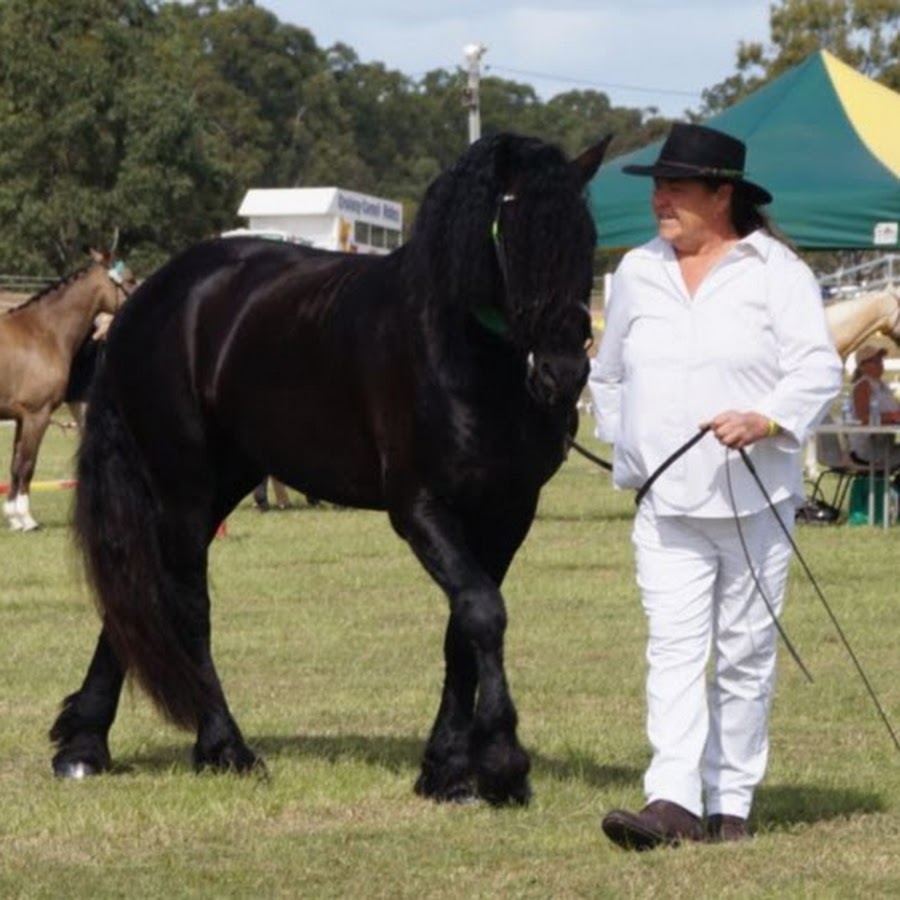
x=328 y=639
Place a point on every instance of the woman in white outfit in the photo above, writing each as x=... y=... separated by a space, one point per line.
x=714 y=323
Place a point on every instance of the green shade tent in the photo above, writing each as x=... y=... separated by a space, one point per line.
x=822 y=138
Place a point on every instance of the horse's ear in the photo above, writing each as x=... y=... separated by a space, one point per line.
x=588 y=161
x=96 y=255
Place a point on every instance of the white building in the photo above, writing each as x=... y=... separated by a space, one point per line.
x=327 y=217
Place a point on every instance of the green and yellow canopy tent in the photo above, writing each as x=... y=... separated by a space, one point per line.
x=824 y=139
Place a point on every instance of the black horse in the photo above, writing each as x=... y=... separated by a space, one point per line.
x=83 y=370
x=438 y=383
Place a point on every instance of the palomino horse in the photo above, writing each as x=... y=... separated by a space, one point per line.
x=38 y=340
x=437 y=383
x=851 y=322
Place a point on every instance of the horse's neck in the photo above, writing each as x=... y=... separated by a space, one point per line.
x=852 y=321
x=69 y=310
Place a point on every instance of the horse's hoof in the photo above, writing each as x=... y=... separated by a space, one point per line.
x=74 y=770
x=456 y=791
x=465 y=797
x=509 y=795
x=503 y=775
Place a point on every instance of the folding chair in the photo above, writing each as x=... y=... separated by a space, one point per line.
x=835 y=466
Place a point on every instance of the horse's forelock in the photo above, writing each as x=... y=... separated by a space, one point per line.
x=549 y=240
x=506 y=228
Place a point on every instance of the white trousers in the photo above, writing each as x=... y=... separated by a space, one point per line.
x=710 y=652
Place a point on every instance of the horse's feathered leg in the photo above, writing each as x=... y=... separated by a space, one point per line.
x=447 y=767
x=474 y=661
x=81 y=730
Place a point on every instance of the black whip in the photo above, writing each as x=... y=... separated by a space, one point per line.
x=759 y=588
x=821 y=596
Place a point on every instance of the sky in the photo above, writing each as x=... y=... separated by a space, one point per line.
x=640 y=53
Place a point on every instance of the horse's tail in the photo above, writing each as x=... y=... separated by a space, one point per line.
x=116 y=516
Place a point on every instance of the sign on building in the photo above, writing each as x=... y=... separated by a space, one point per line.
x=328 y=217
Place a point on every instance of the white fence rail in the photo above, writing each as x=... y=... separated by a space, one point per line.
x=873 y=275
x=24 y=284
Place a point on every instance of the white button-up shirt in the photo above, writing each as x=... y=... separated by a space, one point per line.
x=752 y=338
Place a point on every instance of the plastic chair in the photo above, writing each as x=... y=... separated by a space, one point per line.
x=835 y=465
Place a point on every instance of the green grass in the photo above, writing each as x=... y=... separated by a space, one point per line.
x=328 y=639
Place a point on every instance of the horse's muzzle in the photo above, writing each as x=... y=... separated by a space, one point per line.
x=555 y=379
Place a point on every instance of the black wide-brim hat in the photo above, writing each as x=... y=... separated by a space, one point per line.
x=695 y=151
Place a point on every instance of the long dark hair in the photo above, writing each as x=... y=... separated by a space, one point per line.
x=747 y=216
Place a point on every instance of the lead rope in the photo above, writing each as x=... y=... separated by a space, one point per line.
x=645 y=487
x=588 y=455
x=750 y=467
x=666 y=463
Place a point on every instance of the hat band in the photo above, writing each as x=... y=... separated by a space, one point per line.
x=703 y=170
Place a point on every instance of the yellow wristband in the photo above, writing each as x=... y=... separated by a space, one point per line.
x=774 y=428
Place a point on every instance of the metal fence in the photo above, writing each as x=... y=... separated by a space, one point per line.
x=24 y=284
x=874 y=275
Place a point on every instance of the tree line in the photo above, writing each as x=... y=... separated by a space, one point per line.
x=151 y=119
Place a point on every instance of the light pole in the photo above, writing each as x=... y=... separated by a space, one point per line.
x=473 y=54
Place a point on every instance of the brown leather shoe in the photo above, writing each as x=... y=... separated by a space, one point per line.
x=724 y=829
x=660 y=823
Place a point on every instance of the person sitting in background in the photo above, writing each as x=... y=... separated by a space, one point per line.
x=282 y=500
x=868 y=383
x=261 y=498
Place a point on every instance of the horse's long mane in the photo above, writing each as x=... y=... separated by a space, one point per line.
x=52 y=286
x=454 y=219
x=527 y=187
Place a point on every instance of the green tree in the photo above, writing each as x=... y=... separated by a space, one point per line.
x=863 y=33
x=103 y=128
x=62 y=124
x=153 y=118
x=260 y=84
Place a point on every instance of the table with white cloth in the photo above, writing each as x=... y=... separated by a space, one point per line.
x=882 y=447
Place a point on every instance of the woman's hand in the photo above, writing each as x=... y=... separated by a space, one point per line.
x=740 y=429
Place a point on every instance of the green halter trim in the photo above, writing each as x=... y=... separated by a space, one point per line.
x=489 y=317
